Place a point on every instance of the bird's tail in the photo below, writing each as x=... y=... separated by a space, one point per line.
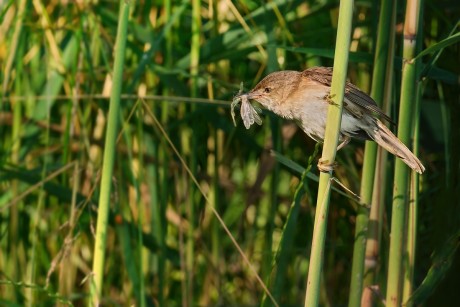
x=385 y=138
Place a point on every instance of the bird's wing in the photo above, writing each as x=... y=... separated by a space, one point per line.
x=359 y=101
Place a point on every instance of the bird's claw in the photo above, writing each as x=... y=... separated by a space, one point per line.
x=329 y=100
x=326 y=167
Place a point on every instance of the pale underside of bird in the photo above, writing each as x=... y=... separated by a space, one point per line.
x=303 y=97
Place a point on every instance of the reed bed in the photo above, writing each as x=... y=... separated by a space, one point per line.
x=124 y=182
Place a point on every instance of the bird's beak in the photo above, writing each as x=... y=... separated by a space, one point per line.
x=249 y=95
x=252 y=95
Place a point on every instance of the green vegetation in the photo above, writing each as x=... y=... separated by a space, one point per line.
x=123 y=180
x=331 y=141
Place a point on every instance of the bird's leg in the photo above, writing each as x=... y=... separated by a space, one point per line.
x=324 y=165
x=346 y=140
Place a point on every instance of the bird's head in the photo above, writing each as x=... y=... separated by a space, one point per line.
x=274 y=88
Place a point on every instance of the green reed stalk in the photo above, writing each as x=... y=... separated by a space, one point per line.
x=379 y=83
x=218 y=136
x=401 y=182
x=376 y=212
x=109 y=155
x=412 y=218
x=14 y=263
x=334 y=118
x=12 y=50
x=194 y=64
x=412 y=222
x=195 y=46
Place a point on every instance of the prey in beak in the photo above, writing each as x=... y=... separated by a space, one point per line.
x=249 y=113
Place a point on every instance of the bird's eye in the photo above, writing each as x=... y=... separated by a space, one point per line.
x=267 y=90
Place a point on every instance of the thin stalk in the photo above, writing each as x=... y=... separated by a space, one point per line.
x=14 y=45
x=194 y=64
x=16 y=132
x=386 y=30
x=334 y=118
x=109 y=155
x=195 y=46
x=401 y=182
x=218 y=136
x=411 y=243
x=412 y=225
x=379 y=83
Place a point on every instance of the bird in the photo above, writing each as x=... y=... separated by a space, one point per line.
x=303 y=96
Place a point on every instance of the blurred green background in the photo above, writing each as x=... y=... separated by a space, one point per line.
x=165 y=246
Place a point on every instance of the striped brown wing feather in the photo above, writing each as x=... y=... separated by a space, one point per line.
x=353 y=94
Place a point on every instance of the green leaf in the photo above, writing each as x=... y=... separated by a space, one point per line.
x=441 y=45
x=298 y=169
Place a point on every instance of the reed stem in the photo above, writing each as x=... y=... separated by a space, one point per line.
x=334 y=118
x=109 y=157
x=401 y=182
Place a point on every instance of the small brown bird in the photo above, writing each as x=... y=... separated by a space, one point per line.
x=303 y=97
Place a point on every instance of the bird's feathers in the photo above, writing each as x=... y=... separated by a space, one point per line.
x=302 y=96
x=385 y=138
x=323 y=75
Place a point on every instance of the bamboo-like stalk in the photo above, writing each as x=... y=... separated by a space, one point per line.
x=16 y=50
x=12 y=52
x=334 y=118
x=379 y=83
x=195 y=46
x=13 y=223
x=194 y=64
x=401 y=182
x=109 y=155
x=412 y=224
x=378 y=197
x=412 y=218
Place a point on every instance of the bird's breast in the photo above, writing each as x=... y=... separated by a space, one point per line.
x=312 y=116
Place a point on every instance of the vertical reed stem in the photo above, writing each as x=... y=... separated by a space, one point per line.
x=109 y=155
x=412 y=218
x=379 y=83
x=401 y=182
x=194 y=64
x=334 y=118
